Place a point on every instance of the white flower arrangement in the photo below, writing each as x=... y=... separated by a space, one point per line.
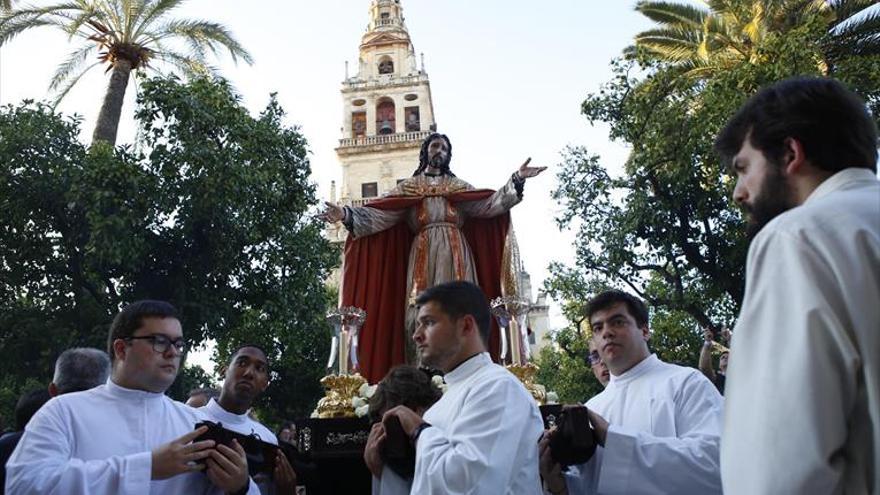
x=439 y=382
x=361 y=401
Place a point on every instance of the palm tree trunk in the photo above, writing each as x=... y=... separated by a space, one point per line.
x=111 y=109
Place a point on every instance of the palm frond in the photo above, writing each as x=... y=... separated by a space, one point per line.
x=71 y=82
x=865 y=24
x=672 y=14
x=210 y=35
x=153 y=13
x=187 y=64
x=74 y=61
x=846 y=9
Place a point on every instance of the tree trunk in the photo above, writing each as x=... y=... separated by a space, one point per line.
x=111 y=109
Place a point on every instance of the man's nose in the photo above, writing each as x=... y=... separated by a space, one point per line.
x=740 y=194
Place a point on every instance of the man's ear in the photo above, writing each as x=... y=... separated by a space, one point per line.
x=223 y=370
x=793 y=158
x=119 y=349
x=469 y=324
x=53 y=389
x=646 y=332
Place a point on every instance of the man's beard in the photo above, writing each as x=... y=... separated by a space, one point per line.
x=773 y=199
x=439 y=161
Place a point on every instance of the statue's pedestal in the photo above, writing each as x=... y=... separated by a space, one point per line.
x=334 y=447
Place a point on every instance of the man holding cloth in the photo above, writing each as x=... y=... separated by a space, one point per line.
x=482 y=436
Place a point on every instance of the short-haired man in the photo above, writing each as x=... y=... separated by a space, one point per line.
x=658 y=425
x=126 y=436
x=246 y=376
x=78 y=369
x=803 y=387
x=482 y=436
x=705 y=363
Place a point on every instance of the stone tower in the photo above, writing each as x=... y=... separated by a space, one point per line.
x=387 y=110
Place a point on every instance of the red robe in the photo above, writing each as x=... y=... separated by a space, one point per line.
x=374 y=279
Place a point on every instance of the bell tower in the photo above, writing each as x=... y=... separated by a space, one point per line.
x=386 y=110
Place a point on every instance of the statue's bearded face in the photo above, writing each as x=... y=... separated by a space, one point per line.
x=438 y=153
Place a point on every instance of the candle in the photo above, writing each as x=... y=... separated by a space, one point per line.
x=515 y=342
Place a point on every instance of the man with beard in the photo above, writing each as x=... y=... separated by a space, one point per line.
x=246 y=377
x=430 y=229
x=658 y=425
x=481 y=437
x=803 y=387
x=126 y=436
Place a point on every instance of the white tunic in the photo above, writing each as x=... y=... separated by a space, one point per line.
x=100 y=441
x=390 y=483
x=244 y=424
x=663 y=434
x=803 y=385
x=484 y=438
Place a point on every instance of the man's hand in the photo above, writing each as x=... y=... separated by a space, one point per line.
x=708 y=337
x=332 y=214
x=550 y=470
x=374 y=446
x=285 y=477
x=525 y=171
x=179 y=455
x=726 y=335
x=227 y=468
x=600 y=426
x=409 y=420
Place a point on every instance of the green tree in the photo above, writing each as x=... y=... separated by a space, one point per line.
x=665 y=229
x=125 y=36
x=211 y=216
x=703 y=41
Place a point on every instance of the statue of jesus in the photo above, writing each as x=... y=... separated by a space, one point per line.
x=436 y=225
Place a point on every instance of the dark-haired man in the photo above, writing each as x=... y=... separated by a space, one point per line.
x=199 y=397
x=28 y=405
x=246 y=378
x=803 y=387
x=481 y=436
x=658 y=425
x=126 y=436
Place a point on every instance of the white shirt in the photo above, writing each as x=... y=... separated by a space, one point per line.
x=100 y=441
x=663 y=434
x=803 y=384
x=484 y=435
x=390 y=483
x=244 y=424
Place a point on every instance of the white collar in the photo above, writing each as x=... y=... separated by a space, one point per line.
x=841 y=180
x=130 y=393
x=642 y=367
x=224 y=416
x=467 y=368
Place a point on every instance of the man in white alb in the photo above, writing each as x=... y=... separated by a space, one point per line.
x=482 y=436
x=803 y=386
x=126 y=436
x=658 y=425
x=246 y=377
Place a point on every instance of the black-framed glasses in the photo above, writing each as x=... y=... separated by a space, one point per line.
x=161 y=343
x=593 y=358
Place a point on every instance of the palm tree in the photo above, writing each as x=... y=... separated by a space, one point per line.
x=126 y=36
x=704 y=40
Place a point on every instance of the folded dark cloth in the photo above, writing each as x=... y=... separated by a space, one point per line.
x=260 y=454
x=574 y=441
x=398 y=452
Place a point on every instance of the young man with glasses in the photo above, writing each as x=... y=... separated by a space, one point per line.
x=658 y=425
x=597 y=366
x=126 y=436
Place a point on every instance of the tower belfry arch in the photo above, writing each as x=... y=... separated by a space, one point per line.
x=387 y=111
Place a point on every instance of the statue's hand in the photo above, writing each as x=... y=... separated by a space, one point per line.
x=525 y=171
x=332 y=214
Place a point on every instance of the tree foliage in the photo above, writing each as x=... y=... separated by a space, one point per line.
x=212 y=216
x=665 y=228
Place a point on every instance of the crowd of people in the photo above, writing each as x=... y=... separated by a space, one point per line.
x=801 y=384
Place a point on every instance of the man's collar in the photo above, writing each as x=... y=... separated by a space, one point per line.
x=841 y=180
